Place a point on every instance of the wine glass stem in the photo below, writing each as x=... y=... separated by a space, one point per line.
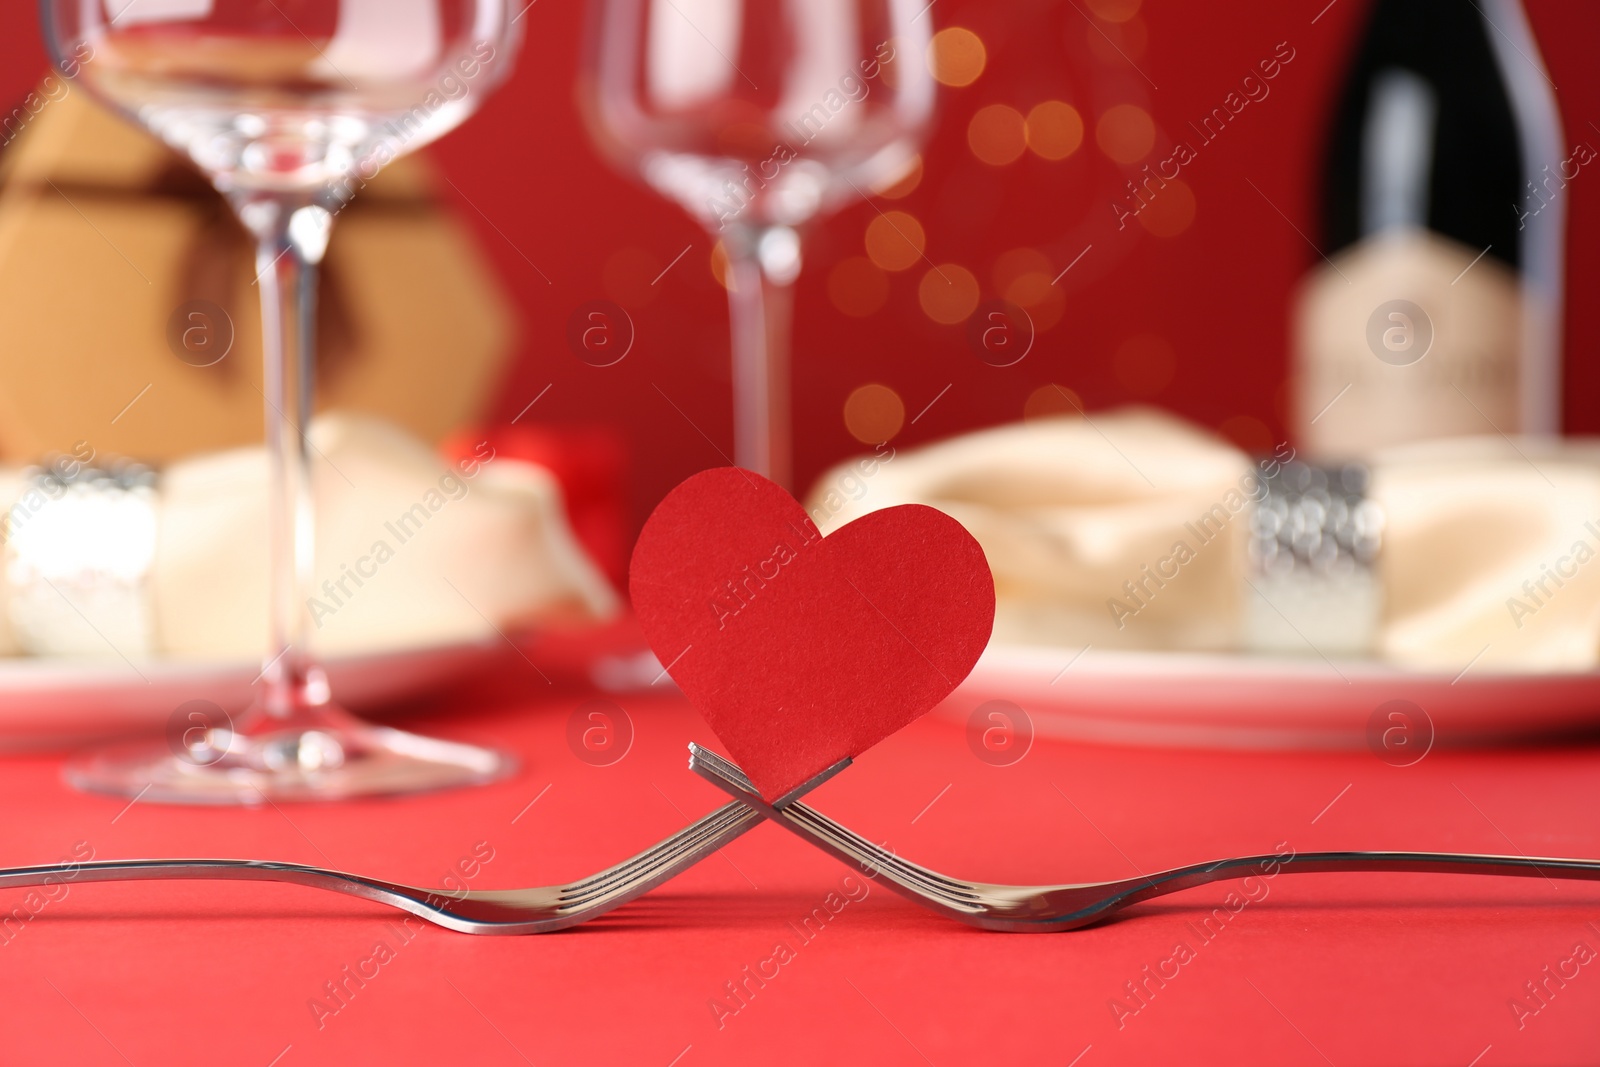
x=760 y=302
x=291 y=234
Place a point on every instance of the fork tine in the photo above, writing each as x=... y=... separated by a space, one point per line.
x=665 y=864
x=708 y=826
x=874 y=857
x=901 y=875
x=879 y=855
x=819 y=829
x=682 y=849
x=868 y=854
x=622 y=868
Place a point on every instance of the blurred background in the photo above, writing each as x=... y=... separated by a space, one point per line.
x=1186 y=307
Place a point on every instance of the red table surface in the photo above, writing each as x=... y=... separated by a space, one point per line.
x=1341 y=969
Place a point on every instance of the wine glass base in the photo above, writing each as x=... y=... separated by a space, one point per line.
x=335 y=758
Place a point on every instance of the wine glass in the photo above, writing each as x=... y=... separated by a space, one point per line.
x=290 y=107
x=756 y=117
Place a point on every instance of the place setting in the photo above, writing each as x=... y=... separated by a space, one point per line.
x=896 y=648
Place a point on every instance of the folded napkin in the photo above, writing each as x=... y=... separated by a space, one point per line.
x=410 y=551
x=1491 y=554
x=1125 y=529
x=1128 y=529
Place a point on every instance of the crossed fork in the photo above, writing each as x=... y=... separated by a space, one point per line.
x=1033 y=909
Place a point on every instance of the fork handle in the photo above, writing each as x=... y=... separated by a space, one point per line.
x=1119 y=895
x=70 y=874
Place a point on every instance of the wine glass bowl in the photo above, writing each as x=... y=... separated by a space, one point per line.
x=289 y=107
x=756 y=117
x=289 y=95
x=773 y=122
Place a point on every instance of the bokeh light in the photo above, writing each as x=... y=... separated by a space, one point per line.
x=1044 y=302
x=1009 y=266
x=1170 y=210
x=1023 y=276
x=895 y=240
x=902 y=185
x=857 y=287
x=948 y=293
x=997 y=134
x=1144 y=364
x=874 y=413
x=1051 y=401
x=1054 y=129
x=956 y=56
x=1029 y=290
x=719 y=266
x=1126 y=133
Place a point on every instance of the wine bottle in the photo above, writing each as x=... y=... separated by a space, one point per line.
x=1435 y=310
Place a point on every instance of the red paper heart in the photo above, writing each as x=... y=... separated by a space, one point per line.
x=799 y=650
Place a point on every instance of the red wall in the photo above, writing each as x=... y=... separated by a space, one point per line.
x=1217 y=292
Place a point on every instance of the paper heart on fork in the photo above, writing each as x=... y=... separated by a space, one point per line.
x=801 y=650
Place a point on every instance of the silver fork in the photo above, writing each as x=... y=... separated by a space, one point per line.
x=1042 y=909
x=542 y=909
x=545 y=909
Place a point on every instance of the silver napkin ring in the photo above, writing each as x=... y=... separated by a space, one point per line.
x=80 y=543
x=1315 y=539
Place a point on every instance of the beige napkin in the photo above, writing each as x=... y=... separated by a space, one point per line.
x=1490 y=558
x=1491 y=554
x=413 y=552
x=1123 y=529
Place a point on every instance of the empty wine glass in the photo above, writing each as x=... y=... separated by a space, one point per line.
x=756 y=117
x=290 y=107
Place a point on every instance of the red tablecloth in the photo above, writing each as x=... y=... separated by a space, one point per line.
x=1346 y=970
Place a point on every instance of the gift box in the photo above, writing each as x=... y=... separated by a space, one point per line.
x=133 y=321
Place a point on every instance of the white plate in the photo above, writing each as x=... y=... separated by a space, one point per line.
x=1262 y=702
x=46 y=703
